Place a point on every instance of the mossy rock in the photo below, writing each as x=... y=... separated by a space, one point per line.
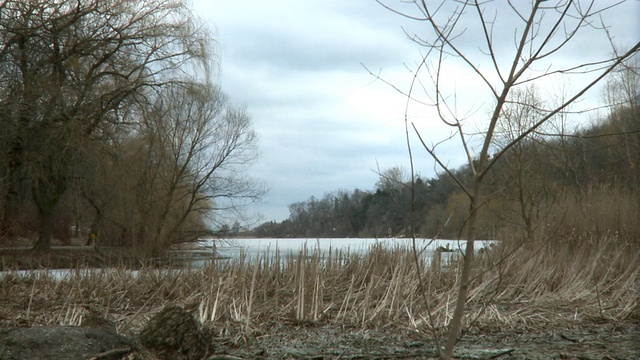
x=173 y=333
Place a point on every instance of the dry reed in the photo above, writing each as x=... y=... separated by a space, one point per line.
x=531 y=287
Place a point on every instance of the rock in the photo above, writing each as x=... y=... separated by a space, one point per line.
x=174 y=334
x=62 y=343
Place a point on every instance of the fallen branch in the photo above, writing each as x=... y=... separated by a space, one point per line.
x=106 y=354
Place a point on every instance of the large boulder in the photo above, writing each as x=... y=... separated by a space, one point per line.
x=173 y=333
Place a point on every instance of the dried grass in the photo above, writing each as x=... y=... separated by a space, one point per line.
x=532 y=287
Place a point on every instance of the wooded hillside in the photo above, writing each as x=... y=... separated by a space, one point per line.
x=541 y=183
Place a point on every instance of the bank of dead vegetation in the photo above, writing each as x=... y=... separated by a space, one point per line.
x=570 y=274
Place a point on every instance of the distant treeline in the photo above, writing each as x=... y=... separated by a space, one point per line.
x=536 y=174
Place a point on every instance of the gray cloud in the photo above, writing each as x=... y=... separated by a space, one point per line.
x=314 y=50
x=324 y=123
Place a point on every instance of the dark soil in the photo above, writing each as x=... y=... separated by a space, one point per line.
x=590 y=341
x=317 y=341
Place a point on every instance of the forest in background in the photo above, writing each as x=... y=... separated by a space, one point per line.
x=553 y=179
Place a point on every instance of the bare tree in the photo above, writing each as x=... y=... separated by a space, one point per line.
x=70 y=70
x=472 y=37
x=524 y=163
x=391 y=179
x=196 y=149
x=622 y=93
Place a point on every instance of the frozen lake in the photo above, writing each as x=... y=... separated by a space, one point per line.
x=262 y=247
x=266 y=247
x=228 y=250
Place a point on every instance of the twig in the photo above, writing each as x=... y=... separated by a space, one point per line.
x=504 y=352
x=33 y=290
x=106 y=354
x=598 y=297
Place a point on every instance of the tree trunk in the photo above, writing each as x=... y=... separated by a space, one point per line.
x=46 y=195
x=43 y=243
x=9 y=221
x=467 y=265
x=13 y=200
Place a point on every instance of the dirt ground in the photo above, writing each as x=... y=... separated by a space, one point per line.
x=591 y=341
x=318 y=341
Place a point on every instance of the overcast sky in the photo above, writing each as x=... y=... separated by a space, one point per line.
x=324 y=123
